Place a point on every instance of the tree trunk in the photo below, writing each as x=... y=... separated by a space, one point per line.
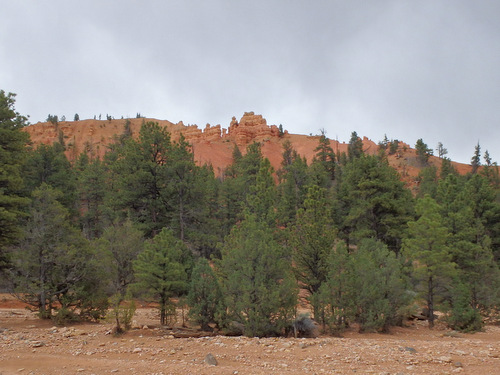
x=430 y=301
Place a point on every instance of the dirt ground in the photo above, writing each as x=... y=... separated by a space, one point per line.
x=32 y=346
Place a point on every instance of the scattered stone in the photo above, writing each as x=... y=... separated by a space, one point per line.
x=37 y=344
x=210 y=360
x=458 y=364
x=137 y=350
x=445 y=359
x=452 y=334
x=410 y=350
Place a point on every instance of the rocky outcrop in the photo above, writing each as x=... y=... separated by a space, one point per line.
x=250 y=128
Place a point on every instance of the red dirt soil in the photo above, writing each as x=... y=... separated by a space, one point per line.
x=32 y=346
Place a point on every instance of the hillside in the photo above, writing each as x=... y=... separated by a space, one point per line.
x=214 y=144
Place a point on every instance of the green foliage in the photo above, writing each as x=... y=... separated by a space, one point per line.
x=256 y=281
x=372 y=202
x=336 y=298
x=121 y=313
x=13 y=201
x=381 y=295
x=428 y=182
x=366 y=286
x=294 y=180
x=476 y=159
x=312 y=239
x=205 y=297
x=92 y=189
x=76 y=118
x=162 y=271
x=393 y=147
x=423 y=152
x=54 y=119
x=463 y=316
x=427 y=247
x=325 y=155
x=54 y=264
x=49 y=165
x=355 y=147
x=118 y=248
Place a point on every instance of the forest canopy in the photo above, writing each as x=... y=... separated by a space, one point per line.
x=146 y=222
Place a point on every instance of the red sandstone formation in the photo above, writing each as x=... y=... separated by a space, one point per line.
x=214 y=145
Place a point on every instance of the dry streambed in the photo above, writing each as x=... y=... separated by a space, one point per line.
x=31 y=346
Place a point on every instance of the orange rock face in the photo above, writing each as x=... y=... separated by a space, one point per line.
x=213 y=145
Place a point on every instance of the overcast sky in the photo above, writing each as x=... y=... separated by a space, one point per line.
x=408 y=69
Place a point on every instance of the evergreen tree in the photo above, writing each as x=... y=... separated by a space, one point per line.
x=162 y=271
x=119 y=247
x=372 y=201
x=426 y=246
x=77 y=117
x=205 y=297
x=48 y=164
x=53 y=267
x=441 y=150
x=428 y=182
x=476 y=159
x=325 y=155
x=13 y=201
x=423 y=152
x=312 y=240
x=258 y=287
x=380 y=296
x=355 y=147
x=92 y=188
x=293 y=184
x=262 y=196
x=141 y=171
x=490 y=171
x=474 y=232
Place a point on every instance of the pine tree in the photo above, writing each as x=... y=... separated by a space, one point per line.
x=355 y=147
x=476 y=159
x=371 y=201
x=312 y=240
x=258 y=287
x=53 y=265
x=119 y=247
x=141 y=179
x=423 y=152
x=426 y=246
x=325 y=155
x=205 y=297
x=293 y=181
x=13 y=201
x=379 y=286
x=48 y=164
x=162 y=271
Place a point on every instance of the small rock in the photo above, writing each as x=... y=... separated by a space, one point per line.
x=210 y=360
x=410 y=350
x=458 y=364
x=137 y=350
x=445 y=359
x=37 y=344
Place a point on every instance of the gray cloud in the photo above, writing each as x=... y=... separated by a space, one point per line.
x=426 y=69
